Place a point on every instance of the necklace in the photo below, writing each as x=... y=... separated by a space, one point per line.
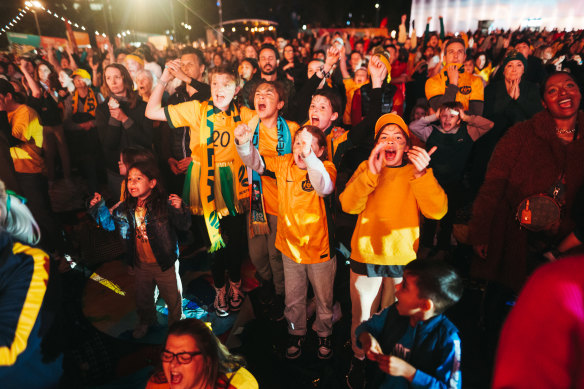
x=563 y=131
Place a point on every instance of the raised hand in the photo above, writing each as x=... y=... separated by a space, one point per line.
x=376 y=159
x=305 y=138
x=242 y=134
x=377 y=70
x=170 y=70
x=96 y=199
x=420 y=159
x=332 y=56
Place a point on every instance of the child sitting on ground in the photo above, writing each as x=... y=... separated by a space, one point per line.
x=454 y=133
x=303 y=180
x=412 y=342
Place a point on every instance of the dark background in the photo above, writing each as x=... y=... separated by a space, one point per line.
x=154 y=16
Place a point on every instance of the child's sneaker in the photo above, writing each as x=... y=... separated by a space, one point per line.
x=325 y=350
x=140 y=331
x=356 y=374
x=221 y=306
x=295 y=343
x=235 y=295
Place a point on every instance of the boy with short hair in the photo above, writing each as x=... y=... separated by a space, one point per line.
x=412 y=342
x=216 y=185
x=453 y=132
x=272 y=136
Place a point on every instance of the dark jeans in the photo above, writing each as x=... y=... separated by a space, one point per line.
x=230 y=257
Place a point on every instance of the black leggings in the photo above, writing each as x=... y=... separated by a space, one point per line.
x=229 y=257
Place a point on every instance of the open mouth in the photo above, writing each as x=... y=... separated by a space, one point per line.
x=261 y=107
x=389 y=155
x=314 y=120
x=175 y=378
x=565 y=103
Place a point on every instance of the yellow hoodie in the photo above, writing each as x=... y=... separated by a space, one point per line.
x=388 y=205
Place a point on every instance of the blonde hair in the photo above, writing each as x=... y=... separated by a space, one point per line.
x=17 y=221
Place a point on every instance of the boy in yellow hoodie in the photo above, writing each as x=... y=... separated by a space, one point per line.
x=387 y=192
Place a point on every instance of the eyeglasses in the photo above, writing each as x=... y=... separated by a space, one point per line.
x=182 y=358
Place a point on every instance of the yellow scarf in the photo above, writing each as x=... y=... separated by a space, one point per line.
x=89 y=105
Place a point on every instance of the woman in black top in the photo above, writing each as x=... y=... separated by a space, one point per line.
x=121 y=121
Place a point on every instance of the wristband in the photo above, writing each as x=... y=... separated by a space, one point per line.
x=163 y=83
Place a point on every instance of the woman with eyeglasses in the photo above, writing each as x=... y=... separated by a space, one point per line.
x=193 y=358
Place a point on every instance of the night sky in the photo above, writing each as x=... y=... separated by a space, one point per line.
x=155 y=16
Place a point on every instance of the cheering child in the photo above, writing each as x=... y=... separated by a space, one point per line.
x=303 y=180
x=148 y=222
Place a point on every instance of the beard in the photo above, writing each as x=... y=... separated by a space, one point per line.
x=267 y=72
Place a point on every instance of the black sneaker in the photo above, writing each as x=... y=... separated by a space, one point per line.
x=325 y=350
x=294 y=348
x=356 y=374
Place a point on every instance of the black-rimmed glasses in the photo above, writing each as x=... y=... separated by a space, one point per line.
x=182 y=358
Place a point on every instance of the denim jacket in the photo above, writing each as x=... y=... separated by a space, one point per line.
x=161 y=230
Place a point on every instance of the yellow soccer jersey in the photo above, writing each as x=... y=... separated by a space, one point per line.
x=189 y=114
x=470 y=88
x=303 y=232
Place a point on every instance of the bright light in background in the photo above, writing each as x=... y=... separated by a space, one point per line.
x=461 y=15
x=304 y=26
x=393 y=34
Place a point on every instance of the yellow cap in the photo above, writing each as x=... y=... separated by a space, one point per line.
x=391 y=118
x=81 y=73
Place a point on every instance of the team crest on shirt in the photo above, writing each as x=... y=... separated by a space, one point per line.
x=306 y=185
x=465 y=90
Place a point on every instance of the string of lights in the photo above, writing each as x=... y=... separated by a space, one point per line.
x=13 y=22
x=32 y=5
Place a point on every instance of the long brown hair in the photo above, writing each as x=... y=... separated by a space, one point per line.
x=53 y=79
x=131 y=94
x=217 y=359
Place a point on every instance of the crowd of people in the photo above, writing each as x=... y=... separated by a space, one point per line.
x=349 y=167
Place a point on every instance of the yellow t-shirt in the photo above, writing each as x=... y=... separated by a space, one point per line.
x=25 y=124
x=303 y=233
x=189 y=114
x=388 y=204
x=470 y=88
x=268 y=140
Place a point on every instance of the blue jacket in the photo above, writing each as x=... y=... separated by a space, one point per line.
x=435 y=352
x=161 y=229
x=26 y=317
